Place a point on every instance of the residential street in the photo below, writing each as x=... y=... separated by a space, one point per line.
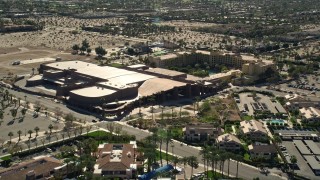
x=179 y=149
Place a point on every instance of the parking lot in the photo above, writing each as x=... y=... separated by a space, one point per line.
x=13 y=125
x=303 y=167
x=248 y=104
x=306 y=85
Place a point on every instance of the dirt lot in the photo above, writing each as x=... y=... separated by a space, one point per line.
x=31 y=53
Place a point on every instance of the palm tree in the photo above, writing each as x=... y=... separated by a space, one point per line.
x=149 y=154
x=223 y=158
x=30 y=132
x=215 y=157
x=88 y=128
x=14 y=102
x=293 y=160
x=175 y=161
x=205 y=156
x=13 y=113
x=237 y=158
x=1 y=115
x=193 y=162
x=140 y=101
x=36 y=129
x=184 y=161
x=81 y=129
x=19 y=102
x=43 y=141
x=151 y=99
x=63 y=135
x=67 y=161
x=10 y=134
x=75 y=132
x=168 y=137
x=19 y=134
x=23 y=111
x=229 y=156
x=172 y=146
x=50 y=128
x=277 y=140
x=161 y=137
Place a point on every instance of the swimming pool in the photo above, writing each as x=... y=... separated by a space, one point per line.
x=279 y=121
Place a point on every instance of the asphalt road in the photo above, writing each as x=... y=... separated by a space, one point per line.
x=182 y=150
x=245 y=172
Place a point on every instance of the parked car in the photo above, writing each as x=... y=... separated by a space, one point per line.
x=17 y=62
x=35 y=115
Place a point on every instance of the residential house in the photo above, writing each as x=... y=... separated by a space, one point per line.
x=254 y=130
x=38 y=168
x=310 y=114
x=296 y=102
x=258 y=150
x=201 y=132
x=228 y=142
x=117 y=161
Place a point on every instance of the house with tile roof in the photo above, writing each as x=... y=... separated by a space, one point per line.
x=117 y=160
x=229 y=142
x=254 y=130
x=37 y=168
x=258 y=150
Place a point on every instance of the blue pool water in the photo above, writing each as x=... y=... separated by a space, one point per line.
x=276 y=121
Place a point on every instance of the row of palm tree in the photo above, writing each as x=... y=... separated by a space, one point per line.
x=211 y=156
x=36 y=129
x=192 y=161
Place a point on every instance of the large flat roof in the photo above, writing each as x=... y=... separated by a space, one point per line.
x=130 y=78
x=302 y=147
x=314 y=164
x=153 y=86
x=313 y=146
x=93 y=91
x=168 y=56
x=116 y=75
x=70 y=65
x=293 y=132
x=166 y=72
x=105 y=72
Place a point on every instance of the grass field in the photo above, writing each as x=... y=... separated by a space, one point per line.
x=247 y=118
x=6 y=158
x=117 y=65
x=213 y=176
x=98 y=134
x=163 y=153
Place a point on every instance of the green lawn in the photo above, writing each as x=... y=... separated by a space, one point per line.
x=247 y=118
x=170 y=157
x=213 y=176
x=98 y=134
x=117 y=65
x=5 y=158
x=246 y=157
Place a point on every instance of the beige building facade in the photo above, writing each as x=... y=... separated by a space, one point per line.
x=254 y=130
x=249 y=64
x=229 y=142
